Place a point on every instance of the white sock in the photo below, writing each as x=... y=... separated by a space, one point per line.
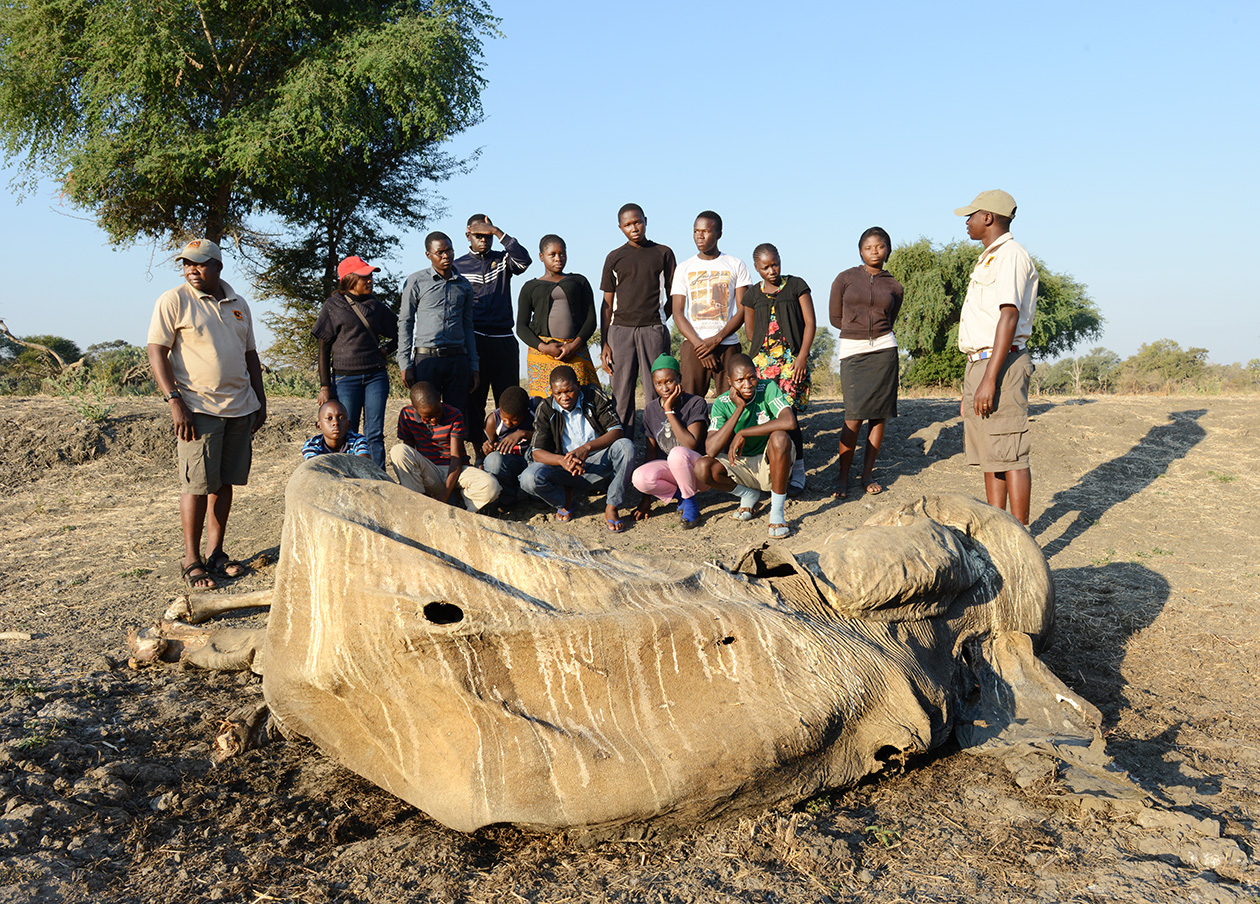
x=748 y=496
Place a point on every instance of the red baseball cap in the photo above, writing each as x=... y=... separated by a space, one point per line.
x=356 y=265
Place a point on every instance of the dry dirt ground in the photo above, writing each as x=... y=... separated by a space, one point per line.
x=1145 y=509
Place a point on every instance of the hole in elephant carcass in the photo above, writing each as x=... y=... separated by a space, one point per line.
x=443 y=613
x=892 y=756
x=769 y=563
x=727 y=641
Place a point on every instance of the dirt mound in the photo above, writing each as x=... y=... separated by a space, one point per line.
x=38 y=434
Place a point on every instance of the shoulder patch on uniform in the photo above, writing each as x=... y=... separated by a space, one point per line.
x=238 y=315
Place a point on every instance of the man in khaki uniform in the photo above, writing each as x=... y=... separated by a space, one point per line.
x=201 y=348
x=996 y=322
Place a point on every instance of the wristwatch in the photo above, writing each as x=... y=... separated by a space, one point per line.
x=173 y=394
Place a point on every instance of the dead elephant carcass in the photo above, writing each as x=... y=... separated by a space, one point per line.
x=494 y=673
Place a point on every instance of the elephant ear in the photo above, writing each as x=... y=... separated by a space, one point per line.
x=904 y=572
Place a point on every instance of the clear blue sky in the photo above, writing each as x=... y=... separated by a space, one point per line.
x=1127 y=133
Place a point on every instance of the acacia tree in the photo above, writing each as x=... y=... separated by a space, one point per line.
x=179 y=118
x=1092 y=372
x=935 y=280
x=1161 y=363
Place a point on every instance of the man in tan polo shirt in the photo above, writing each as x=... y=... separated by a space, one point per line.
x=201 y=349
x=993 y=333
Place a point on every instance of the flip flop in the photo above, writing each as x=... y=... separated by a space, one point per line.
x=873 y=489
x=219 y=563
x=840 y=493
x=563 y=515
x=779 y=531
x=191 y=581
x=615 y=525
x=742 y=514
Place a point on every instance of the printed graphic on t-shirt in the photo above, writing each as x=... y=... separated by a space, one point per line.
x=665 y=440
x=708 y=299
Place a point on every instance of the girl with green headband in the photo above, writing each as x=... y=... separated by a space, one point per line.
x=676 y=424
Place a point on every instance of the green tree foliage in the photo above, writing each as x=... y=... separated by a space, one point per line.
x=35 y=361
x=23 y=370
x=186 y=118
x=822 y=354
x=1093 y=372
x=935 y=280
x=1162 y=363
x=166 y=119
x=121 y=366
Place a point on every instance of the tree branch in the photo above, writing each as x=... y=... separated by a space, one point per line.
x=62 y=366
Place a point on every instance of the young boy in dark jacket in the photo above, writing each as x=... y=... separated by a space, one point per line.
x=578 y=443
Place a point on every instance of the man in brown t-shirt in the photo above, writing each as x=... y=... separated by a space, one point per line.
x=201 y=348
x=636 y=281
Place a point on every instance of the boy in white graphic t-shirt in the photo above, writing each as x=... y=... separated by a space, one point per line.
x=706 y=296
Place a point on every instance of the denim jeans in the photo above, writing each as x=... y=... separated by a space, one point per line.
x=610 y=467
x=507 y=470
x=366 y=394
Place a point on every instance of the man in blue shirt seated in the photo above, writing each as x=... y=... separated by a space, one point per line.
x=578 y=444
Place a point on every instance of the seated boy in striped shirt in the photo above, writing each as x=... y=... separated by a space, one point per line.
x=430 y=458
x=335 y=434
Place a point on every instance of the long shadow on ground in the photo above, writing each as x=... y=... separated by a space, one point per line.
x=902 y=454
x=1098 y=609
x=1119 y=479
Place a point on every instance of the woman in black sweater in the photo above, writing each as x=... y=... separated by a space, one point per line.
x=357 y=334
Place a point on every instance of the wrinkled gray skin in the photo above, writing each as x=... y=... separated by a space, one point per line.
x=489 y=672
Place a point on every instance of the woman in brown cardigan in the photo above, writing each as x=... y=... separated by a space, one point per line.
x=865 y=301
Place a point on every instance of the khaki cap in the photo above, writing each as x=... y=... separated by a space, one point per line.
x=994 y=201
x=199 y=251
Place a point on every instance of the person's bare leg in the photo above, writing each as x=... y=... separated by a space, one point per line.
x=220 y=505
x=709 y=470
x=1019 y=492
x=192 y=517
x=874 y=438
x=848 y=442
x=778 y=453
x=995 y=488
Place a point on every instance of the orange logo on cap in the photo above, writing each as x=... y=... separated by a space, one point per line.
x=239 y=315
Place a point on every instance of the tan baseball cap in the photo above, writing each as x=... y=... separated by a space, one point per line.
x=199 y=251
x=994 y=201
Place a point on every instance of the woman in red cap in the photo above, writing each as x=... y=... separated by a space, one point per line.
x=357 y=336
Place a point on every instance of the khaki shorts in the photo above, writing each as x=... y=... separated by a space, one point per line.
x=1000 y=441
x=754 y=470
x=416 y=472
x=221 y=454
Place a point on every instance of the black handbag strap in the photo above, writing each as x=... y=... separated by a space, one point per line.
x=367 y=326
